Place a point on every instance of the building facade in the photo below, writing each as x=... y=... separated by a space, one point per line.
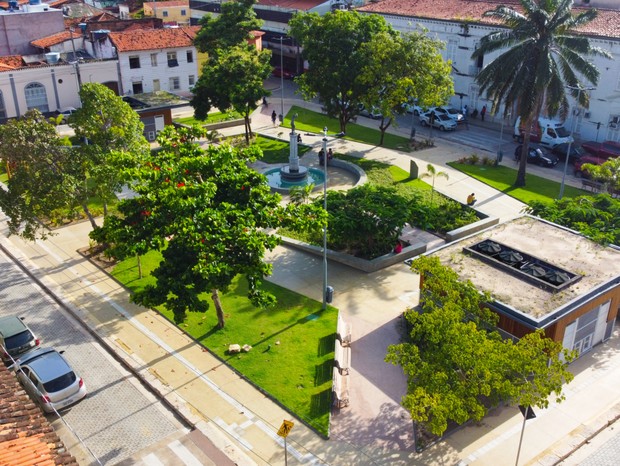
x=170 y=12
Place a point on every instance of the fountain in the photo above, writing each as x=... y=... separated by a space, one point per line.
x=284 y=178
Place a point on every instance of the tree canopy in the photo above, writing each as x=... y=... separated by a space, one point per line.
x=541 y=56
x=209 y=214
x=458 y=366
x=607 y=173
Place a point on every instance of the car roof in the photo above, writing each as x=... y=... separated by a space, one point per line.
x=47 y=363
x=11 y=325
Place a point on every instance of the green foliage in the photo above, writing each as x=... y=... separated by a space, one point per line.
x=276 y=150
x=597 y=217
x=458 y=367
x=305 y=389
x=607 y=173
x=332 y=45
x=432 y=173
x=301 y=194
x=402 y=68
x=213 y=117
x=540 y=55
x=233 y=78
x=215 y=213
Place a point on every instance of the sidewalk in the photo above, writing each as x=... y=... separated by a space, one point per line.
x=374 y=429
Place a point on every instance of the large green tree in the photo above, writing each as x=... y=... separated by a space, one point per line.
x=541 y=55
x=43 y=184
x=332 y=44
x=607 y=173
x=458 y=366
x=111 y=136
x=234 y=78
x=403 y=68
x=210 y=215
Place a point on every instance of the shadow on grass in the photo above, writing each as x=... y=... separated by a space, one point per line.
x=326 y=344
x=323 y=372
x=320 y=403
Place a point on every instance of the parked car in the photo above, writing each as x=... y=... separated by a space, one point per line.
x=441 y=121
x=450 y=112
x=49 y=379
x=580 y=172
x=372 y=113
x=15 y=338
x=545 y=131
x=282 y=73
x=603 y=149
x=66 y=113
x=537 y=155
x=576 y=152
x=415 y=109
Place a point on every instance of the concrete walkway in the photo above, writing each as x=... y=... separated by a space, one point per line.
x=374 y=429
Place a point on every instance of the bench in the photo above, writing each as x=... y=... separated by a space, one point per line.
x=340 y=389
x=342 y=358
x=343 y=332
x=593 y=186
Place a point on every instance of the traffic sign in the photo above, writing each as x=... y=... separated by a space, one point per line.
x=285 y=428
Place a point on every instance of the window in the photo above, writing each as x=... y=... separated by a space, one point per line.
x=36 y=97
x=136 y=87
x=165 y=14
x=134 y=62
x=190 y=56
x=156 y=86
x=172 y=59
x=192 y=80
x=175 y=83
x=153 y=59
x=451 y=50
x=2 y=107
x=183 y=12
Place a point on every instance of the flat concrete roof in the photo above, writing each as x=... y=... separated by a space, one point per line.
x=546 y=241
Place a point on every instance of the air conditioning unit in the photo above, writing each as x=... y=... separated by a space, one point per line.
x=613 y=125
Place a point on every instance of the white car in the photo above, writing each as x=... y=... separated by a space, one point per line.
x=441 y=121
x=450 y=112
x=66 y=113
x=48 y=379
x=414 y=108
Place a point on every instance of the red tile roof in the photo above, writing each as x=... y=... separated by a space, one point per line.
x=11 y=62
x=26 y=438
x=149 y=39
x=59 y=38
x=607 y=24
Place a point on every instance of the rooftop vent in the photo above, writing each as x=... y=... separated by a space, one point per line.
x=52 y=57
x=522 y=265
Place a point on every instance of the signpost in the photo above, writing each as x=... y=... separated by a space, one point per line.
x=528 y=413
x=285 y=429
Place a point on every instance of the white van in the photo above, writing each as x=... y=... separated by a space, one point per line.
x=545 y=131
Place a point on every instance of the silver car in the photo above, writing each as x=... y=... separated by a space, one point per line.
x=441 y=121
x=49 y=379
x=15 y=338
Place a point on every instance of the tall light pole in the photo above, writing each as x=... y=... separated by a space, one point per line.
x=281 y=79
x=572 y=129
x=325 y=226
x=500 y=153
x=75 y=57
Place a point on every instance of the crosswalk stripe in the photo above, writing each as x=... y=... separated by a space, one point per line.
x=152 y=460
x=184 y=454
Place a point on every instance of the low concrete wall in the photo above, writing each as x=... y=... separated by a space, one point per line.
x=367 y=266
x=471 y=228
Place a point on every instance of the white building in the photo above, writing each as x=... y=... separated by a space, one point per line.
x=460 y=24
x=151 y=60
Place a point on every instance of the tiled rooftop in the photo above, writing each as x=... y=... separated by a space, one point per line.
x=55 y=39
x=149 y=39
x=607 y=24
x=11 y=62
x=26 y=438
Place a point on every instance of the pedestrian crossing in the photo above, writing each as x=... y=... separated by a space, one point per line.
x=180 y=449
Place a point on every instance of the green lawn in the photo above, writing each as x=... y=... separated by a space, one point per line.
x=214 y=117
x=276 y=150
x=297 y=371
x=502 y=178
x=314 y=122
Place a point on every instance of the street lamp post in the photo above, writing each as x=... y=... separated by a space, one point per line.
x=325 y=226
x=75 y=57
x=500 y=153
x=572 y=130
x=281 y=79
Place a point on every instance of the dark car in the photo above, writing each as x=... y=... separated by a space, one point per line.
x=576 y=152
x=580 y=172
x=538 y=156
x=282 y=73
x=15 y=338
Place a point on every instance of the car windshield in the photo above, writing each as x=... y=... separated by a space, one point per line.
x=19 y=340
x=443 y=116
x=60 y=383
x=452 y=111
x=561 y=131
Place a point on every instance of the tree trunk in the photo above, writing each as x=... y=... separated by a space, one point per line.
x=89 y=215
x=383 y=128
x=520 y=181
x=215 y=296
x=139 y=266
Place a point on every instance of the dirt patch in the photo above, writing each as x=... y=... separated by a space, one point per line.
x=97 y=256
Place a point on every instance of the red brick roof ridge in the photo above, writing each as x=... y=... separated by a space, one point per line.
x=150 y=39
x=607 y=23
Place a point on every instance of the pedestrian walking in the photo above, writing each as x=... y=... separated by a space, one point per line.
x=321 y=157
x=465 y=111
x=273 y=117
x=483 y=112
x=265 y=102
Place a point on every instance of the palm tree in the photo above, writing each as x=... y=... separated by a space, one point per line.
x=541 y=59
x=431 y=172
